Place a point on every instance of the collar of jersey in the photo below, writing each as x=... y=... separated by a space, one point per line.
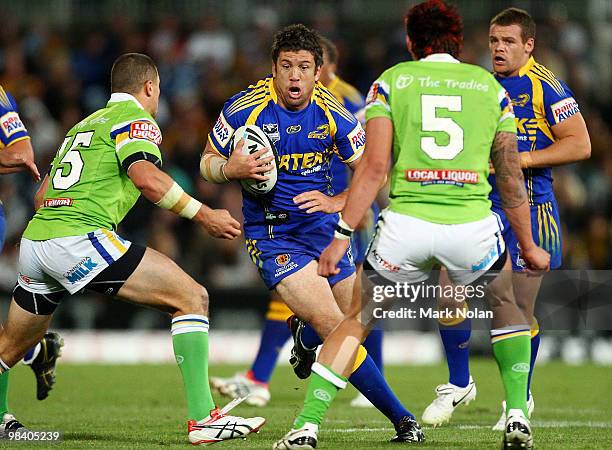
x=124 y=97
x=527 y=67
x=439 y=57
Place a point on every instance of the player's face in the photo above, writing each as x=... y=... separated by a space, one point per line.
x=295 y=75
x=508 y=51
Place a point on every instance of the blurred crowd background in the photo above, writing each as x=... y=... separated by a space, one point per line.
x=55 y=58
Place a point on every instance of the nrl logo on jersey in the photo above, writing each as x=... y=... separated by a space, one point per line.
x=271 y=129
x=143 y=129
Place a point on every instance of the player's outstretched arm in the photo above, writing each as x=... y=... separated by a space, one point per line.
x=18 y=157
x=572 y=144
x=511 y=187
x=161 y=189
x=216 y=169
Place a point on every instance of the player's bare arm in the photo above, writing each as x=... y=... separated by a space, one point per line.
x=572 y=144
x=369 y=177
x=511 y=186
x=162 y=190
x=39 y=197
x=19 y=157
x=216 y=169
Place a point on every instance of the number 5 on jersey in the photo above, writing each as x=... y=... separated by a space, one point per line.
x=69 y=169
x=431 y=122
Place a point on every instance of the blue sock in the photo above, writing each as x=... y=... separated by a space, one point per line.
x=369 y=381
x=273 y=336
x=310 y=338
x=535 y=345
x=373 y=344
x=456 y=340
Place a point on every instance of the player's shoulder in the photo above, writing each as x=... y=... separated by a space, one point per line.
x=328 y=102
x=546 y=77
x=246 y=100
x=127 y=117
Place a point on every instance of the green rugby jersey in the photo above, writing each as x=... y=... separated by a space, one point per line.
x=445 y=115
x=88 y=183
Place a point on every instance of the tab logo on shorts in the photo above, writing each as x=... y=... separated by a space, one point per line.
x=564 y=109
x=11 y=123
x=81 y=270
x=442 y=176
x=143 y=129
x=222 y=131
x=271 y=130
x=283 y=260
x=55 y=202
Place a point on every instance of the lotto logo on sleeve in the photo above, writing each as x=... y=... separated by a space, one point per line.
x=357 y=138
x=564 y=109
x=11 y=124
x=142 y=129
x=222 y=131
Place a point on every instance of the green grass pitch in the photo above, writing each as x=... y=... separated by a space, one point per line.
x=129 y=407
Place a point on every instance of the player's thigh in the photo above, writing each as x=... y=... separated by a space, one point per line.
x=160 y=283
x=310 y=297
x=21 y=330
x=343 y=292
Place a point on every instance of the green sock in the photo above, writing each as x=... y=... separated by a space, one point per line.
x=4 y=384
x=190 y=342
x=513 y=356
x=322 y=389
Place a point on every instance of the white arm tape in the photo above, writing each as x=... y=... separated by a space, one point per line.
x=177 y=201
x=212 y=168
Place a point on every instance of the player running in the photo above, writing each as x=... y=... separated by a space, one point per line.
x=440 y=120
x=254 y=383
x=551 y=132
x=17 y=155
x=103 y=165
x=287 y=228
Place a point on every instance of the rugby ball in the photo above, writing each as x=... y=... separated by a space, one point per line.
x=254 y=140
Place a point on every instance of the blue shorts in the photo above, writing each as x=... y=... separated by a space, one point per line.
x=361 y=239
x=2 y=228
x=546 y=230
x=283 y=256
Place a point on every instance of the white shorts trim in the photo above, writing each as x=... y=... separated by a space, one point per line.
x=405 y=248
x=68 y=263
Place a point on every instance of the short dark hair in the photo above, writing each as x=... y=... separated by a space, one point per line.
x=294 y=38
x=434 y=27
x=516 y=16
x=130 y=71
x=330 y=49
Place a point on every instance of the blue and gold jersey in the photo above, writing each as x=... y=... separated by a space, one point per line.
x=540 y=101
x=11 y=126
x=353 y=101
x=305 y=142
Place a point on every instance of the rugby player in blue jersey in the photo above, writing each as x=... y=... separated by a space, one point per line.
x=17 y=155
x=275 y=333
x=287 y=228
x=551 y=132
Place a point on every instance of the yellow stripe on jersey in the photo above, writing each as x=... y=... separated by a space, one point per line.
x=4 y=100
x=555 y=227
x=258 y=89
x=333 y=127
x=111 y=237
x=121 y=137
x=549 y=77
x=334 y=104
x=547 y=238
x=540 y=232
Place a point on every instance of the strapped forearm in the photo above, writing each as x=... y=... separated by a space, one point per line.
x=212 y=168
x=179 y=202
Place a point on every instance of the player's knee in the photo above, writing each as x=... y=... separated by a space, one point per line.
x=195 y=301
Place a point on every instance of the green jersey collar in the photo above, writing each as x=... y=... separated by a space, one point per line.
x=439 y=57
x=124 y=97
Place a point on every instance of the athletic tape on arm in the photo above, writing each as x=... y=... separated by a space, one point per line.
x=177 y=201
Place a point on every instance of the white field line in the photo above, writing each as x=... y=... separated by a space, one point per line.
x=536 y=424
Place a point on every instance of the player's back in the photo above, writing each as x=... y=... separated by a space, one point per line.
x=445 y=115
x=88 y=187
